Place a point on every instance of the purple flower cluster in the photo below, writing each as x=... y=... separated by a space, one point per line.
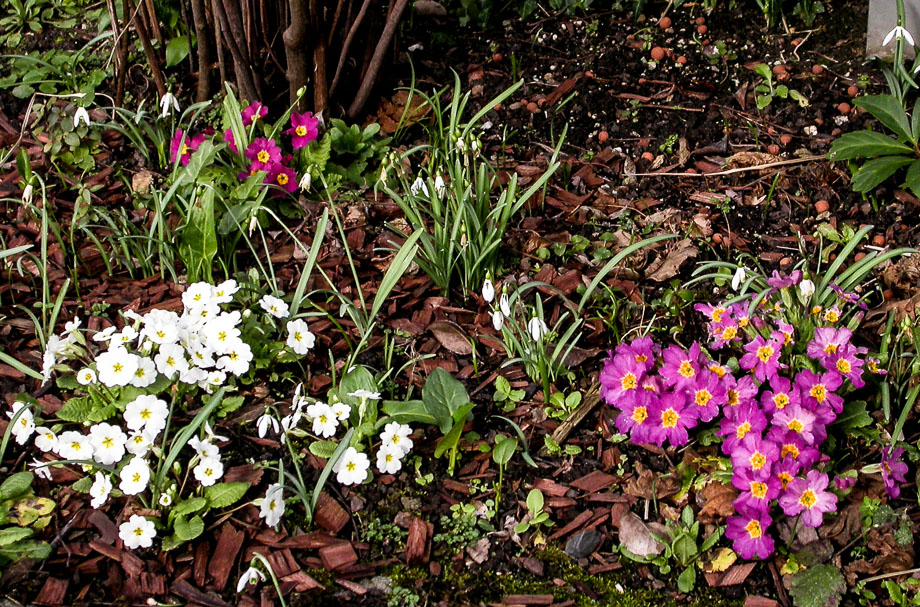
x=263 y=154
x=773 y=418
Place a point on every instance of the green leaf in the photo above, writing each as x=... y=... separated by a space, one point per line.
x=817 y=586
x=889 y=111
x=866 y=144
x=229 y=405
x=323 y=448
x=408 y=412
x=535 y=501
x=188 y=530
x=763 y=70
x=912 y=179
x=16 y=485
x=687 y=580
x=316 y=155
x=192 y=504
x=505 y=446
x=443 y=395
x=176 y=51
x=199 y=237
x=874 y=172
x=222 y=495
x=83 y=485
x=854 y=415
x=13 y=534
x=450 y=440
x=77 y=410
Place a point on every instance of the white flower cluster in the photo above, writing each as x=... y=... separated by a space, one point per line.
x=535 y=326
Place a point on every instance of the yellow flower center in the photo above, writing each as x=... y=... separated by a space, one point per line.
x=843 y=365
x=296 y=335
x=669 y=418
x=301 y=131
x=184 y=150
x=641 y=358
x=136 y=477
x=795 y=425
x=792 y=450
x=118 y=367
x=351 y=466
x=138 y=531
x=808 y=498
x=759 y=489
x=818 y=392
x=719 y=370
x=686 y=369
x=780 y=400
x=743 y=322
x=816 y=310
x=729 y=333
x=717 y=314
x=107 y=442
x=639 y=415
x=282 y=179
x=742 y=429
x=263 y=156
x=830 y=349
x=765 y=353
x=753 y=529
x=733 y=398
x=702 y=397
x=758 y=460
x=784 y=479
x=629 y=381
x=831 y=316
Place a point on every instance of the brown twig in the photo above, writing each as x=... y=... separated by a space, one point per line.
x=295 y=37
x=373 y=68
x=200 y=20
x=346 y=46
x=758 y=167
x=149 y=52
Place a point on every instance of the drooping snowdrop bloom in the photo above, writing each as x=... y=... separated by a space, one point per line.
x=351 y=469
x=86 y=376
x=168 y=103
x=274 y=306
x=45 y=439
x=137 y=532
x=272 y=508
x=266 y=421
x=388 y=461
x=102 y=487
x=488 y=290
x=116 y=366
x=134 y=477
x=250 y=577
x=806 y=289
x=325 y=421
x=299 y=339
x=81 y=115
x=41 y=469
x=208 y=471
x=73 y=445
x=147 y=413
x=27 y=193
x=417 y=186
x=305 y=181
x=25 y=423
x=504 y=304
x=537 y=328
x=108 y=443
x=395 y=436
x=896 y=33
x=498 y=320
x=439 y=186
x=738 y=278
x=211 y=435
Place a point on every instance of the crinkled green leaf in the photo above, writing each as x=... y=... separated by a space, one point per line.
x=866 y=144
x=874 y=172
x=222 y=495
x=16 y=485
x=889 y=111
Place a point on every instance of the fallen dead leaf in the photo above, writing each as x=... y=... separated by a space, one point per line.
x=452 y=337
x=663 y=269
x=636 y=536
x=717 y=502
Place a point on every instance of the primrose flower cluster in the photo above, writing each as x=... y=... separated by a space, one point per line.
x=263 y=154
x=125 y=387
x=773 y=416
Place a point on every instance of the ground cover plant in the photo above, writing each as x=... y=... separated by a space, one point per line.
x=580 y=305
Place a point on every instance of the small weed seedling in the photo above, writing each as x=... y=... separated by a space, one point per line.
x=766 y=91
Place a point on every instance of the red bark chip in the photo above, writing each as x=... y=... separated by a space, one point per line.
x=52 y=592
x=302 y=582
x=417 y=543
x=283 y=563
x=351 y=586
x=595 y=481
x=736 y=574
x=200 y=563
x=759 y=601
x=329 y=514
x=338 y=556
x=228 y=547
x=577 y=522
x=528 y=599
x=550 y=488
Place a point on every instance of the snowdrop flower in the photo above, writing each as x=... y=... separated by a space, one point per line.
x=251 y=576
x=265 y=422
x=137 y=532
x=738 y=278
x=305 y=181
x=74 y=446
x=25 y=423
x=147 y=413
x=395 y=437
x=898 y=32
x=108 y=443
x=537 y=328
x=300 y=339
x=439 y=186
x=342 y=411
x=274 y=306
x=351 y=469
x=171 y=360
x=145 y=374
x=325 y=421
x=488 y=290
x=79 y=116
x=498 y=320
x=27 y=194
x=134 y=477
x=807 y=288
x=208 y=471
x=417 y=186
x=504 y=304
x=224 y=292
x=168 y=103
x=365 y=394
x=41 y=469
x=204 y=448
x=116 y=366
x=100 y=490
x=388 y=461
x=45 y=439
x=71 y=326
x=272 y=508
x=86 y=376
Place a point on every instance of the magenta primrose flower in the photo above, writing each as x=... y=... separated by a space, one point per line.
x=848 y=364
x=778 y=281
x=894 y=471
x=738 y=422
x=707 y=396
x=263 y=153
x=756 y=493
x=739 y=391
x=620 y=376
x=748 y=533
x=755 y=454
x=681 y=368
x=818 y=390
x=304 y=129
x=809 y=497
x=672 y=418
x=230 y=141
x=763 y=357
x=642 y=350
x=184 y=149
x=827 y=341
x=253 y=112
x=781 y=395
x=796 y=418
x=282 y=177
x=634 y=417
x=793 y=447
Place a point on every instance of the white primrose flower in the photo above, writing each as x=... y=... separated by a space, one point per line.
x=193 y=376
x=125 y=337
x=145 y=374
x=265 y=422
x=139 y=443
x=389 y=461
x=46 y=440
x=41 y=469
x=161 y=326
x=201 y=354
x=73 y=445
x=898 y=32
x=147 y=413
x=224 y=292
x=351 y=469
x=168 y=103
x=108 y=443
x=116 y=367
x=105 y=334
x=504 y=304
x=236 y=360
x=738 y=278
x=250 y=577
x=100 y=490
x=204 y=448
x=171 y=360
x=537 y=328
x=134 y=477
x=215 y=379
x=807 y=288
x=71 y=326
x=208 y=471
x=25 y=423
x=300 y=339
x=198 y=295
x=197 y=316
x=417 y=186
x=220 y=333
x=395 y=437
x=272 y=508
x=488 y=290
x=137 y=532
x=274 y=306
x=86 y=376
x=498 y=320
x=165 y=500
x=342 y=411
x=325 y=421
x=81 y=115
